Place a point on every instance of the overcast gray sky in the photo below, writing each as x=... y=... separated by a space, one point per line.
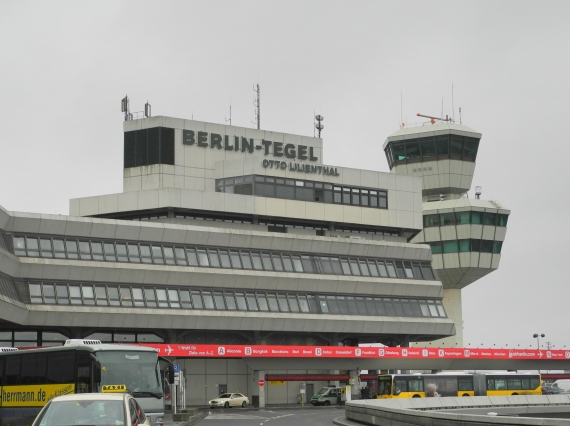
x=65 y=65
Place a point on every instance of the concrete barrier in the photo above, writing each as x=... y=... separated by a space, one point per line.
x=473 y=411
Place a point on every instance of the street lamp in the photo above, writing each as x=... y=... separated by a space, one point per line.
x=537 y=337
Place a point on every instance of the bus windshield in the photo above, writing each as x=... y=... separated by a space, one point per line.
x=138 y=371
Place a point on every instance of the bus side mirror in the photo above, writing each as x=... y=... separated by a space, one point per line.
x=171 y=374
x=97 y=372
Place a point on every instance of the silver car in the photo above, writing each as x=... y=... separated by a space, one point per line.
x=228 y=400
x=92 y=409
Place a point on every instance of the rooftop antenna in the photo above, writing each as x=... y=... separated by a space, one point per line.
x=230 y=119
x=432 y=119
x=452 y=105
x=125 y=102
x=319 y=125
x=257 y=105
x=441 y=108
x=401 y=108
x=147 y=110
x=459 y=115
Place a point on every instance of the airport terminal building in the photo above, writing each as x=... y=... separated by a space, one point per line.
x=233 y=235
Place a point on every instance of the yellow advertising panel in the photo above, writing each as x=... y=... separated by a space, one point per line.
x=277 y=383
x=32 y=395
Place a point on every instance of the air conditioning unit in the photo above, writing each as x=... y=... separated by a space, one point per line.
x=78 y=342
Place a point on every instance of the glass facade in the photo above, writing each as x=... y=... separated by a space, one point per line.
x=465 y=218
x=431 y=148
x=457 y=246
x=212 y=257
x=149 y=146
x=304 y=190
x=132 y=296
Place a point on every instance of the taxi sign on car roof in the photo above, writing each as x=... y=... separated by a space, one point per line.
x=113 y=388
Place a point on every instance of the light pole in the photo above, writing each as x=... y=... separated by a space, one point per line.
x=538 y=336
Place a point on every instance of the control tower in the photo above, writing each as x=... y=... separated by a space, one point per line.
x=465 y=234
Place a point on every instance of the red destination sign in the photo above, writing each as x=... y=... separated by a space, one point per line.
x=269 y=351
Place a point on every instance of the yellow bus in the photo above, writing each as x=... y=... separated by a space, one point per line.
x=456 y=384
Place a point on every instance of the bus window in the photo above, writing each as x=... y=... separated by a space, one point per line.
x=34 y=368
x=400 y=386
x=415 y=385
x=514 y=384
x=60 y=367
x=13 y=364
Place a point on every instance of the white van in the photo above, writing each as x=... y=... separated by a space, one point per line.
x=562 y=384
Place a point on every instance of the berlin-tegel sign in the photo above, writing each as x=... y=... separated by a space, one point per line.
x=268 y=351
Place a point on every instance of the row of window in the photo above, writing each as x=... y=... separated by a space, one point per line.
x=303 y=190
x=457 y=246
x=38 y=368
x=465 y=218
x=230 y=300
x=109 y=251
x=432 y=148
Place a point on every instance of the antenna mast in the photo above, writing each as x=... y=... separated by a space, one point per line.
x=432 y=119
x=230 y=120
x=257 y=104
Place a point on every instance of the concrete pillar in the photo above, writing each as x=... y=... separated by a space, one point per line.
x=258 y=393
x=355 y=384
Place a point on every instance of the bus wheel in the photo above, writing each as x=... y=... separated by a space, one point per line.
x=465 y=394
x=416 y=396
x=327 y=403
x=227 y=405
x=515 y=393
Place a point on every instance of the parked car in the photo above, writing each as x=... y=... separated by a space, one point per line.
x=92 y=409
x=228 y=400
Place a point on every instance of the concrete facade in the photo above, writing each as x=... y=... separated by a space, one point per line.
x=227 y=235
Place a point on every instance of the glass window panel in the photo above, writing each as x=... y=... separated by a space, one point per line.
x=427 y=272
x=364 y=268
x=307 y=263
x=173 y=298
x=442 y=144
x=277 y=262
x=126 y=299
x=197 y=300
x=134 y=254
x=262 y=302
x=273 y=305
x=497 y=245
x=236 y=262
x=62 y=294
x=59 y=248
x=145 y=253
x=345 y=195
x=332 y=304
x=138 y=297
x=283 y=306
x=267 y=265
x=287 y=263
x=486 y=246
x=150 y=297
x=19 y=246
x=84 y=250
x=433 y=310
x=417 y=271
x=447 y=219
x=219 y=300
x=398 y=310
x=109 y=252
x=441 y=310
x=169 y=255
x=192 y=258
x=246 y=260
x=264 y=190
x=356 y=197
x=97 y=250
x=251 y=301
x=75 y=294
x=297 y=264
x=373 y=200
x=407 y=308
x=431 y=220
x=256 y=258
x=121 y=249
x=215 y=258
x=323 y=305
x=428 y=146
x=354 y=267
x=303 y=303
x=399 y=151
x=71 y=248
x=371 y=266
x=45 y=246
x=33 y=247
x=240 y=299
x=350 y=304
x=157 y=255
x=326 y=265
x=36 y=293
x=450 y=246
x=161 y=298
x=464 y=245
x=293 y=303
x=456 y=145
x=462 y=218
x=180 y=255
x=408 y=270
x=337 y=196
x=436 y=247
x=382 y=268
x=470 y=147
x=49 y=293
x=88 y=295
x=113 y=293
x=285 y=192
x=203 y=258
x=400 y=269
x=476 y=217
x=502 y=219
x=185 y=300
x=388 y=305
x=412 y=149
x=100 y=296
x=345 y=266
x=230 y=301
x=370 y=306
x=488 y=219
x=336 y=266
